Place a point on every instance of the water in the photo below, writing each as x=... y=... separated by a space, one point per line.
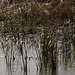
x=2 y=63
x=28 y=61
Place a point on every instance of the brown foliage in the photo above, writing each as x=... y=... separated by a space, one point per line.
x=19 y=1
x=55 y=8
x=60 y=9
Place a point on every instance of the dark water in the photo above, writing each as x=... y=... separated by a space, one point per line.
x=23 y=57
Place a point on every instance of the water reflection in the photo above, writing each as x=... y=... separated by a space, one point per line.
x=24 y=57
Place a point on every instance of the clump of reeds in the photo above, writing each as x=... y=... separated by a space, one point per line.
x=19 y=18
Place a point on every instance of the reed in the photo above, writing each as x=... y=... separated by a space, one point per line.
x=21 y=21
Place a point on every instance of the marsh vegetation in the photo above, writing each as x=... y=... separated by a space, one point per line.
x=38 y=38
